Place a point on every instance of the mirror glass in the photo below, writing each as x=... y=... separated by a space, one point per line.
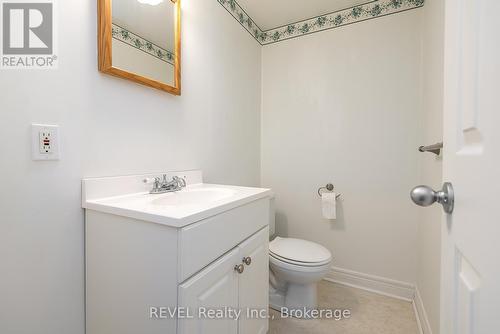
x=144 y=38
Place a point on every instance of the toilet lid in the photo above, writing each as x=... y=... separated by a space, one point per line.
x=298 y=250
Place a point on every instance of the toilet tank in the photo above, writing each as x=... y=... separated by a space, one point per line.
x=272 y=217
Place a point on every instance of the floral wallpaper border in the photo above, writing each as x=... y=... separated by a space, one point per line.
x=367 y=11
x=242 y=17
x=128 y=37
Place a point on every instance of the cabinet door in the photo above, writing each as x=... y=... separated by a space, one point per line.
x=215 y=287
x=254 y=284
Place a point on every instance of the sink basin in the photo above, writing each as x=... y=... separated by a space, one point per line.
x=194 y=196
x=129 y=196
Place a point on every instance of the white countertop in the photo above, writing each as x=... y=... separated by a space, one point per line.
x=177 y=209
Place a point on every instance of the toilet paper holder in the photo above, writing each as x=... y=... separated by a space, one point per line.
x=329 y=187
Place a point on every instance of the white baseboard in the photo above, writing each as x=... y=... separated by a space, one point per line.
x=384 y=286
x=421 y=314
x=376 y=284
x=417 y=318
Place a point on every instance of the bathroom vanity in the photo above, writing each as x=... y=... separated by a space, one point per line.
x=158 y=263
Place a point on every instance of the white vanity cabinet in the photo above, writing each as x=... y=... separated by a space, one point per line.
x=254 y=284
x=224 y=284
x=151 y=267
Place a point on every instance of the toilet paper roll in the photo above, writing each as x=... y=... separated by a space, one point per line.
x=329 y=205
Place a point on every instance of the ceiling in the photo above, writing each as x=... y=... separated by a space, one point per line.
x=270 y=14
x=153 y=23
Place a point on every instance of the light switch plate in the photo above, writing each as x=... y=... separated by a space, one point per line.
x=45 y=142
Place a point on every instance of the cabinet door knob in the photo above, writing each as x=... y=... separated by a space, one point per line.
x=239 y=268
x=247 y=260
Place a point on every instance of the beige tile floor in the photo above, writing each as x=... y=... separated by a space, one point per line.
x=370 y=314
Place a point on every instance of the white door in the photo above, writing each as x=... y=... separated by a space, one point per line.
x=471 y=235
x=254 y=284
x=215 y=287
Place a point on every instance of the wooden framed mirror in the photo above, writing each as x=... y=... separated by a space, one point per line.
x=140 y=40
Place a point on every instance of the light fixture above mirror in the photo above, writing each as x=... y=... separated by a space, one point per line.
x=150 y=2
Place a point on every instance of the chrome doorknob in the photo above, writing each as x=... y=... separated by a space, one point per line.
x=425 y=196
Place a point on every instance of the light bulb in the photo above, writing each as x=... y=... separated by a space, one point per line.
x=150 y=2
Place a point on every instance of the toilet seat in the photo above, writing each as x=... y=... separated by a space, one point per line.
x=298 y=263
x=299 y=252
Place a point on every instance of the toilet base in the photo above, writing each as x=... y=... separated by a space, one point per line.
x=276 y=299
x=299 y=297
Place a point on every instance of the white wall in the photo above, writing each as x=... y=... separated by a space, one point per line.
x=343 y=106
x=111 y=126
x=429 y=226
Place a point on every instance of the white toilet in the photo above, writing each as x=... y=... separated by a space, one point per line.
x=295 y=268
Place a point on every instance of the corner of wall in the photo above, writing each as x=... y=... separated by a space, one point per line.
x=421 y=314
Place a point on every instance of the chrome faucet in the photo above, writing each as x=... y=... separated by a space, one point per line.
x=161 y=186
